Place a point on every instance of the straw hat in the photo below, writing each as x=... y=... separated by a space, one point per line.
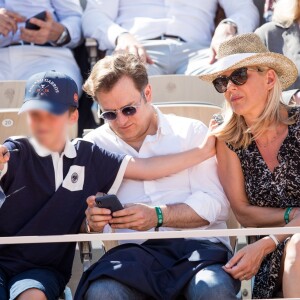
x=247 y=50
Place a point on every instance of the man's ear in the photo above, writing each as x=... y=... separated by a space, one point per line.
x=73 y=118
x=271 y=79
x=148 y=93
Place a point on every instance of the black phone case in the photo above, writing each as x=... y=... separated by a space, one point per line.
x=110 y=202
x=41 y=16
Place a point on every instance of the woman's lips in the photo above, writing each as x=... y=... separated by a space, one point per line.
x=235 y=98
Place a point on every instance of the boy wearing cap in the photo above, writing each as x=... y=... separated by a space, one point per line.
x=49 y=179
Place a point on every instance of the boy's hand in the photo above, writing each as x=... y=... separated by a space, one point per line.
x=97 y=217
x=139 y=217
x=4 y=156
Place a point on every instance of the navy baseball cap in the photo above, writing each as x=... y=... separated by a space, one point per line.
x=51 y=91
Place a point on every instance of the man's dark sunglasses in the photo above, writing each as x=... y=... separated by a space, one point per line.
x=238 y=77
x=127 y=111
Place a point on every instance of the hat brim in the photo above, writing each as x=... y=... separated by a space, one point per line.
x=51 y=107
x=283 y=66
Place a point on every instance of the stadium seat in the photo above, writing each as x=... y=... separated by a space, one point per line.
x=183 y=88
x=11 y=94
x=197 y=111
x=12 y=124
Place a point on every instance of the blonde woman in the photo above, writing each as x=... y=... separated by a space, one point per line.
x=259 y=160
x=283 y=34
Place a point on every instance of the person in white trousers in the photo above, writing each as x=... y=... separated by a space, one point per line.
x=171 y=36
x=24 y=52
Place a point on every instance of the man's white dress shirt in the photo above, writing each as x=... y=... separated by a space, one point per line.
x=198 y=187
x=192 y=20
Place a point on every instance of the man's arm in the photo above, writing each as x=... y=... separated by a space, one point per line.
x=243 y=13
x=242 y=17
x=69 y=14
x=69 y=22
x=99 y=22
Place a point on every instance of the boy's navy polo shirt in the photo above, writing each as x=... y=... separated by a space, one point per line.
x=41 y=209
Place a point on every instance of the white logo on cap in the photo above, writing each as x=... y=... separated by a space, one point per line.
x=41 y=85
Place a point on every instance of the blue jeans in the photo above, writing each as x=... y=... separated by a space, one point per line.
x=41 y=279
x=211 y=282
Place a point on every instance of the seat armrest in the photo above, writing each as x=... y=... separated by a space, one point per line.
x=85 y=249
x=92 y=48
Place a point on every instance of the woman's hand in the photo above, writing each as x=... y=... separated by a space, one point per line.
x=246 y=262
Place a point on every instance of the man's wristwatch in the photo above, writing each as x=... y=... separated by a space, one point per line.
x=229 y=22
x=63 y=39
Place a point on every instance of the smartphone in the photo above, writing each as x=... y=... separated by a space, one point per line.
x=41 y=16
x=110 y=202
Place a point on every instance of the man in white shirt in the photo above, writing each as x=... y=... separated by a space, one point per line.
x=161 y=269
x=172 y=36
x=24 y=52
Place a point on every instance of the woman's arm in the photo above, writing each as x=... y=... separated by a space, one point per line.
x=162 y=166
x=232 y=179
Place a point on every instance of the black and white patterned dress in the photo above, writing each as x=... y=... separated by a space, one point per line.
x=279 y=189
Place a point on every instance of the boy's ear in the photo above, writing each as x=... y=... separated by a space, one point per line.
x=73 y=118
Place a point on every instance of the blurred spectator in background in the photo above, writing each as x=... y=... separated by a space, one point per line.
x=282 y=35
x=24 y=52
x=172 y=37
x=268 y=11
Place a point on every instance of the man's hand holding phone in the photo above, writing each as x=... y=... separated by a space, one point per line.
x=45 y=29
x=107 y=210
x=97 y=218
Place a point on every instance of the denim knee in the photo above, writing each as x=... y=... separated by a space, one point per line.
x=110 y=289
x=212 y=283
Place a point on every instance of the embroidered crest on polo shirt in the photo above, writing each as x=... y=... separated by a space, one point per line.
x=74 y=180
x=74 y=177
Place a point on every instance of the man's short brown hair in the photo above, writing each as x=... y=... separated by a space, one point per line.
x=109 y=70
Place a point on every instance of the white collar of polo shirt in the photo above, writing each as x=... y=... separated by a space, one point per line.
x=42 y=151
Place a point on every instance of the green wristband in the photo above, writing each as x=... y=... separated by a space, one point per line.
x=287 y=215
x=160 y=217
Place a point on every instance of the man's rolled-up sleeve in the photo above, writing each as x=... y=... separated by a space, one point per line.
x=243 y=13
x=208 y=199
x=99 y=22
x=69 y=14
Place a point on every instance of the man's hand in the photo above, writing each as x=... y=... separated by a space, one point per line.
x=223 y=32
x=97 y=217
x=49 y=31
x=139 y=217
x=9 y=21
x=4 y=156
x=127 y=42
x=246 y=262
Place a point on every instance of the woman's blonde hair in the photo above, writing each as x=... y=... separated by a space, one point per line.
x=286 y=12
x=235 y=131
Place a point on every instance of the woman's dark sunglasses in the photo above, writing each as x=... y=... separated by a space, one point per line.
x=127 y=111
x=238 y=77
